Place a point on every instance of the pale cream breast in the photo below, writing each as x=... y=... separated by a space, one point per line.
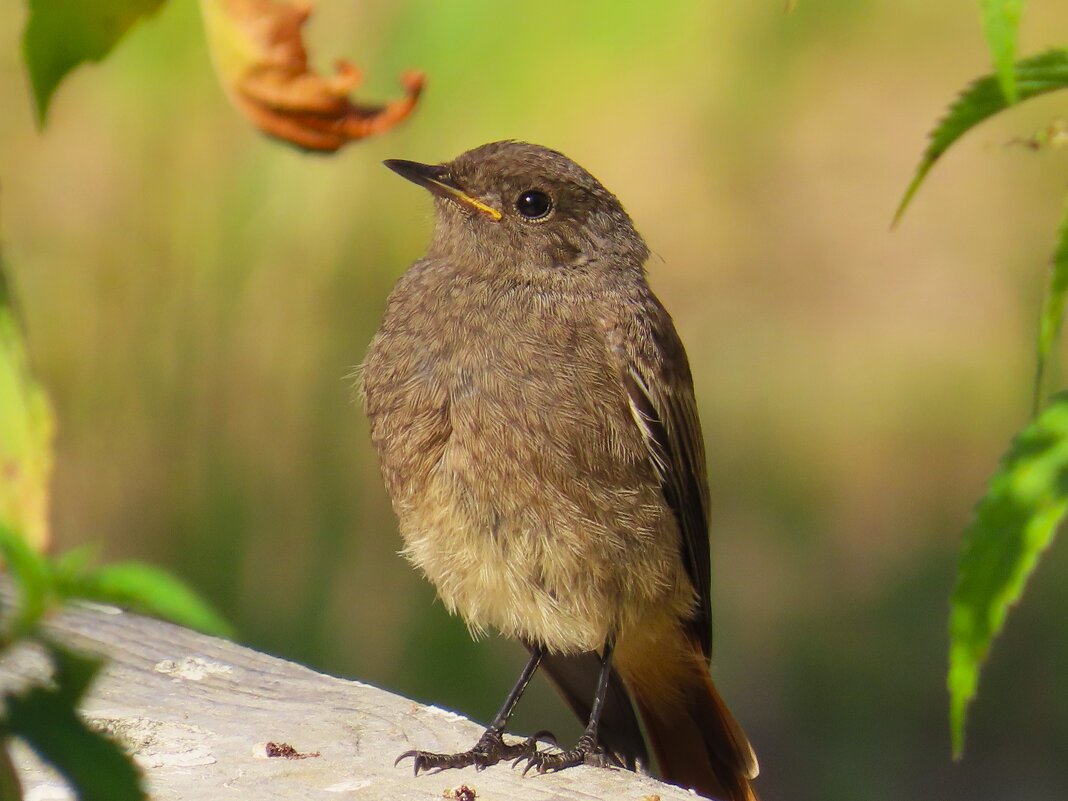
x=503 y=568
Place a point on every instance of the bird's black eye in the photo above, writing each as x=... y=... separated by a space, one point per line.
x=533 y=204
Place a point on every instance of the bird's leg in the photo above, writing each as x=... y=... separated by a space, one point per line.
x=490 y=748
x=588 y=750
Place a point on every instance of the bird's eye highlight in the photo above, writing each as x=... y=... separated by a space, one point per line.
x=534 y=204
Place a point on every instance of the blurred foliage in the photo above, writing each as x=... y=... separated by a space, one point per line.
x=258 y=50
x=198 y=296
x=26 y=431
x=45 y=715
x=1025 y=503
x=61 y=35
x=45 y=584
x=46 y=718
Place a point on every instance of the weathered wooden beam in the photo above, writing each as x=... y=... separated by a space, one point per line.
x=198 y=712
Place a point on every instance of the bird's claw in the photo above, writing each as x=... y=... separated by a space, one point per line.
x=489 y=750
x=585 y=752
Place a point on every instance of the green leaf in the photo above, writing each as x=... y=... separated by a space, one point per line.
x=33 y=579
x=1001 y=21
x=26 y=431
x=74 y=562
x=1052 y=308
x=984 y=98
x=10 y=788
x=1013 y=523
x=46 y=719
x=73 y=673
x=145 y=589
x=61 y=34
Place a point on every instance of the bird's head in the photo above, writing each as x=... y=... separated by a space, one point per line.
x=513 y=205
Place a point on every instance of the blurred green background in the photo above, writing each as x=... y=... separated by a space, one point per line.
x=197 y=298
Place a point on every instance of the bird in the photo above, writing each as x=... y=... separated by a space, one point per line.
x=533 y=412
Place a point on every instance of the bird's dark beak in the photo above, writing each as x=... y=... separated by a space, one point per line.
x=436 y=178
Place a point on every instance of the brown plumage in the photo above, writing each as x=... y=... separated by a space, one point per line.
x=534 y=415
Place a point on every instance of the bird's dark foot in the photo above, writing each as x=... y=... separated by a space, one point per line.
x=586 y=752
x=489 y=750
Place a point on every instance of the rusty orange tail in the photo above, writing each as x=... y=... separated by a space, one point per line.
x=696 y=739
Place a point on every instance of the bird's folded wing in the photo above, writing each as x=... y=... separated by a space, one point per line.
x=661 y=396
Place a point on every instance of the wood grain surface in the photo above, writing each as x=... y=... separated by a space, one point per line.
x=197 y=713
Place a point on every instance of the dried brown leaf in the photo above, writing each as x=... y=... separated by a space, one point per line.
x=261 y=59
